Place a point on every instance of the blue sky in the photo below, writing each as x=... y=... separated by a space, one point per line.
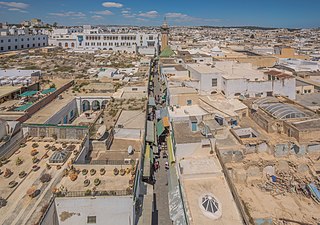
x=271 y=13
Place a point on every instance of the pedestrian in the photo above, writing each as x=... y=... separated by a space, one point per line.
x=155 y=167
x=154 y=179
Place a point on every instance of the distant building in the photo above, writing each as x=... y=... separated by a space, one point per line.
x=14 y=39
x=287 y=52
x=36 y=22
x=92 y=39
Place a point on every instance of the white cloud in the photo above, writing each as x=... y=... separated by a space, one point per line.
x=125 y=11
x=150 y=14
x=96 y=17
x=17 y=5
x=175 y=15
x=180 y=17
x=129 y=15
x=18 y=10
x=112 y=5
x=68 y=14
x=142 y=19
x=104 y=12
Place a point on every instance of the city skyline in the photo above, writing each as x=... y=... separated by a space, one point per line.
x=204 y=12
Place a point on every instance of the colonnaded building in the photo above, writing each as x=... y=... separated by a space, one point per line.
x=91 y=39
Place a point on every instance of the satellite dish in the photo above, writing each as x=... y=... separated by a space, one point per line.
x=255 y=106
x=130 y=150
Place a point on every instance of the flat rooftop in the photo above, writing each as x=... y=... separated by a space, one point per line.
x=111 y=210
x=6 y=90
x=301 y=83
x=52 y=108
x=216 y=186
x=186 y=112
x=20 y=208
x=184 y=135
x=221 y=105
x=109 y=181
x=203 y=176
x=99 y=86
x=182 y=90
x=311 y=101
x=85 y=120
x=307 y=124
x=230 y=70
x=132 y=119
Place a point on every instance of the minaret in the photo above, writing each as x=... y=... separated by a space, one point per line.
x=164 y=34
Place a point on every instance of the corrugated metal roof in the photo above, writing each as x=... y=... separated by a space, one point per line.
x=150 y=131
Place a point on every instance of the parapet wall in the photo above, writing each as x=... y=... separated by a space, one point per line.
x=43 y=102
x=63 y=132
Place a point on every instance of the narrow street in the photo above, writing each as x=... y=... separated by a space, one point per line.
x=161 y=202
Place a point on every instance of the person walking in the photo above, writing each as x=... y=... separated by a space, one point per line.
x=166 y=166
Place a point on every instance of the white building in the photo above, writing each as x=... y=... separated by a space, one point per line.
x=17 y=39
x=92 y=39
x=240 y=79
x=300 y=65
x=216 y=52
x=14 y=77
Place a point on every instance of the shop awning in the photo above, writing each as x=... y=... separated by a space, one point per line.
x=150 y=131
x=152 y=102
x=23 y=107
x=170 y=150
x=47 y=91
x=166 y=122
x=160 y=128
x=147 y=153
x=164 y=112
x=28 y=93
x=155 y=150
x=146 y=167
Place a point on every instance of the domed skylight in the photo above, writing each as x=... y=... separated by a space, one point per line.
x=210 y=206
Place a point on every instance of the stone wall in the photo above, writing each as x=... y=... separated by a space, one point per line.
x=63 y=132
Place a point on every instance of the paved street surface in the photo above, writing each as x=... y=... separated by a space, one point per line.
x=161 y=203
x=161 y=214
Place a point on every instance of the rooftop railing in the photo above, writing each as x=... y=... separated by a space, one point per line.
x=93 y=193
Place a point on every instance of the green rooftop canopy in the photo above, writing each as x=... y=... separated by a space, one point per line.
x=160 y=128
x=167 y=52
x=23 y=107
x=28 y=93
x=47 y=91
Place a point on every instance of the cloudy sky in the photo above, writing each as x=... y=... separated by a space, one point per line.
x=271 y=13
